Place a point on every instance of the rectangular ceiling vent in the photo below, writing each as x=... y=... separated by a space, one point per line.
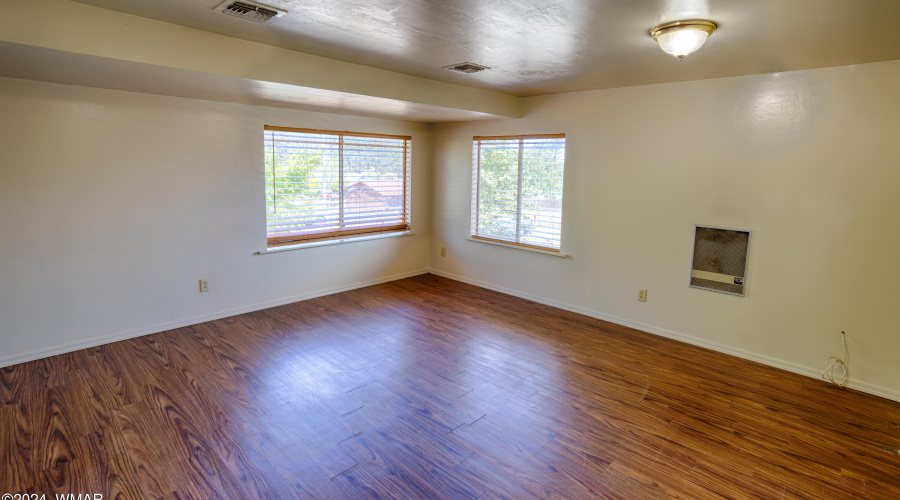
x=250 y=11
x=466 y=67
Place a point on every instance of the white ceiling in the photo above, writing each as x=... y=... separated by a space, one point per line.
x=46 y=65
x=548 y=46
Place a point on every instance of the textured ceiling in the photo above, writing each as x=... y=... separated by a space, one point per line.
x=551 y=46
x=35 y=63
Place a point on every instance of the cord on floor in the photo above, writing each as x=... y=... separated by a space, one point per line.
x=834 y=364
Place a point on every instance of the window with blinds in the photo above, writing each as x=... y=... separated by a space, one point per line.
x=517 y=189
x=325 y=185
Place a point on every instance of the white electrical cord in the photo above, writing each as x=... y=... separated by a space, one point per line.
x=834 y=363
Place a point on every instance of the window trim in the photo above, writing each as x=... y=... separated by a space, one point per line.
x=338 y=241
x=345 y=234
x=476 y=213
x=501 y=243
x=334 y=132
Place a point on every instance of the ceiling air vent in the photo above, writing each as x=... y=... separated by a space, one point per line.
x=466 y=67
x=250 y=11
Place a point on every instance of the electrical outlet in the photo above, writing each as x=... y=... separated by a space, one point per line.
x=204 y=285
x=443 y=251
x=642 y=295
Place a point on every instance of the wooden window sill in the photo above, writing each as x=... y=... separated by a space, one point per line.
x=336 y=241
x=519 y=247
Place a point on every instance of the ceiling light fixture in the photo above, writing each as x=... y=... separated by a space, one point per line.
x=680 y=38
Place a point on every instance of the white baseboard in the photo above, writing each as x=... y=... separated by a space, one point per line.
x=883 y=392
x=106 y=339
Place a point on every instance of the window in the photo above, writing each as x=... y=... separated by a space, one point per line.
x=517 y=188
x=326 y=185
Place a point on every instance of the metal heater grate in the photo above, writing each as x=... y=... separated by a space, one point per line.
x=720 y=259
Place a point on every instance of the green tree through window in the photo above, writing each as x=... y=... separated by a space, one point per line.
x=325 y=185
x=517 y=189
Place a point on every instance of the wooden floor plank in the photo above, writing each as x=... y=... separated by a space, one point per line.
x=431 y=388
x=16 y=449
x=112 y=474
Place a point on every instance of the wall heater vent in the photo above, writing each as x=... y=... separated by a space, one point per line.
x=720 y=259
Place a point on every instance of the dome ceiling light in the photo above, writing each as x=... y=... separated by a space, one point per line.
x=680 y=38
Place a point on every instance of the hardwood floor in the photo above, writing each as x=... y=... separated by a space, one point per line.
x=430 y=388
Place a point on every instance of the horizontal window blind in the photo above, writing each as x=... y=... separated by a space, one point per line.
x=517 y=189
x=325 y=185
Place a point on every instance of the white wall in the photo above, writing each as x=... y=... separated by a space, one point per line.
x=114 y=204
x=809 y=161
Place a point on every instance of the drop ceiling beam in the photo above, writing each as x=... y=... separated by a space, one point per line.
x=79 y=29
